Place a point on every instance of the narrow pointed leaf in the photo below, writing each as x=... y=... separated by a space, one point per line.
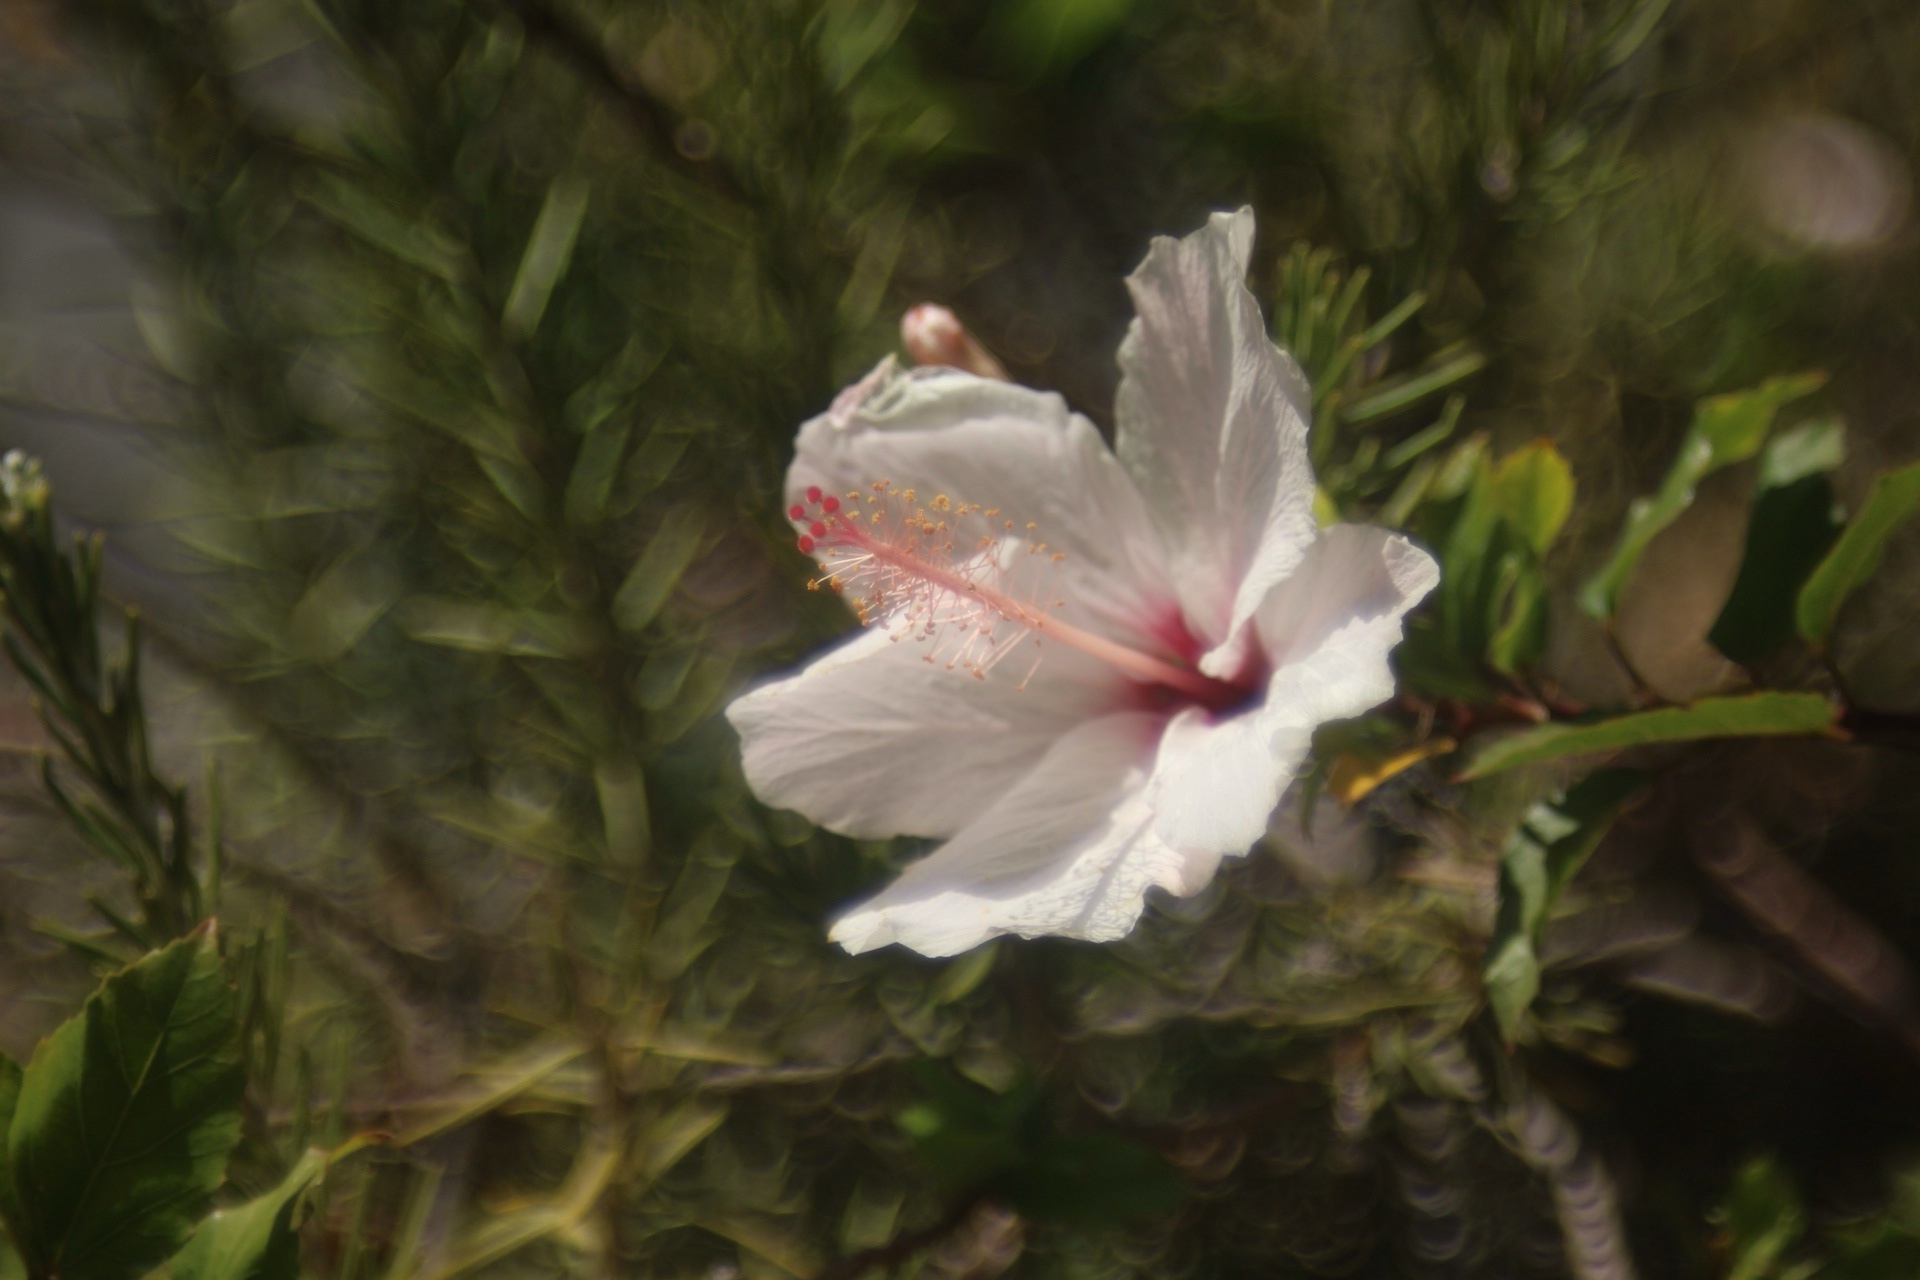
x=1750 y=715
x=549 y=249
x=125 y=1117
x=1726 y=429
x=1895 y=496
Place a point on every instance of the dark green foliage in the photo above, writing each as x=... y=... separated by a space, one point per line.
x=124 y=1119
x=468 y=344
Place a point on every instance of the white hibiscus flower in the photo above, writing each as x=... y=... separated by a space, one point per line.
x=1088 y=670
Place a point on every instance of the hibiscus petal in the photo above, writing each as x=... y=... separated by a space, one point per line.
x=871 y=740
x=1069 y=851
x=1213 y=429
x=1005 y=446
x=1326 y=631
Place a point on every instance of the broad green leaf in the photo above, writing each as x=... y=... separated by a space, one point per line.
x=1895 y=496
x=1747 y=715
x=1725 y=430
x=125 y=1117
x=1546 y=851
x=1533 y=492
x=254 y=1241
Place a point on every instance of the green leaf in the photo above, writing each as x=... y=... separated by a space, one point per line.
x=966 y=1138
x=1533 y=492
x=1432 y=378
x=1546 y=851
x=549 y=249
x=125 y=1117
x=1043 y=37
x=10 y=1212
x=655 y=574
x=1748 y=715
x=1763 y=1220
x=1094 y=1179
x=1793 y=524
x=1725 y=430
x=1857 y=554
x=254 y=1241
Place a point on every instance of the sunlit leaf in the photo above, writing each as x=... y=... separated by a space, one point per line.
x=125 y=1117
x=1533 y=492
x=258 y=1240
x=1852 y=560
x=1748 y=715
x=1726 y=429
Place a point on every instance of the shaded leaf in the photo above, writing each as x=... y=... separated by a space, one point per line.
x=125 y=1117
x=506 y=1233
x=657 y=571
x=1792 y=528
x=10 y=1212
x=1725 y=430
x=1009 y=1146
x=1749 y=715
x=549 y=249
x=1793 y=523
x=1895 y=496
x=1038 y=37
x=1545 y=852
x=1763 y=1219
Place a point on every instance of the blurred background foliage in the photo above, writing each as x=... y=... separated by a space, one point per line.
x=432 y=368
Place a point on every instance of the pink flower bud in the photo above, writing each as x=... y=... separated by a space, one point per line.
x=934 y=335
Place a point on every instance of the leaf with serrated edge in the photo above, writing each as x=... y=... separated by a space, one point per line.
x=1895 y=496
x=126 y=1115
x=1752 y=715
